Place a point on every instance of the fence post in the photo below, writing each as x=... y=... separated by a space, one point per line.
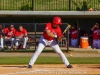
x=68 y=40
x=32 y=5
x=69 y=4
x=35 y=35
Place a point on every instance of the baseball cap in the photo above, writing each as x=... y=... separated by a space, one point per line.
x=11 y=26
x=57 y=20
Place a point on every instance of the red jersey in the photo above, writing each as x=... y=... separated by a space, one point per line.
x=95 y=33
x=73 y=33
x=99 y=33
x=9 y=33
x=21 y=33
x=53 y=30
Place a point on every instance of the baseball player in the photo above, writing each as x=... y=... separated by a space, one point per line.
x=95 y=29
x=73 y=35
x=99 y=36
x=1 y=38
x=52 y=33
x=10 y=35
x=21 y=35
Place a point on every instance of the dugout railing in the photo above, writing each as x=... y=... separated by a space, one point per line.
x=35 y=30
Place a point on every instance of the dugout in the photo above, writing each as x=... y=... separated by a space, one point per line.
x=84 y=19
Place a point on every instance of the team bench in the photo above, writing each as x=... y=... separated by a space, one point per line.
x=31 y=37
x=31 y=40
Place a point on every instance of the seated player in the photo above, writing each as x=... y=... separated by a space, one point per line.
x=1 y=38
x=10 y=35
x=21 y=35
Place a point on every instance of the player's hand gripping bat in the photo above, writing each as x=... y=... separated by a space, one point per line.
x=59 y=38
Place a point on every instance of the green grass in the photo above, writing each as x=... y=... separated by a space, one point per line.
x=49 y=60
x=46 y=5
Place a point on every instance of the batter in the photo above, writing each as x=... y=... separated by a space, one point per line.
x=51 y=36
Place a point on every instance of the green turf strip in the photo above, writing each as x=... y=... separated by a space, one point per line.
x=49 y=60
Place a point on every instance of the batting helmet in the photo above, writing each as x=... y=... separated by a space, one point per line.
x=57 y=20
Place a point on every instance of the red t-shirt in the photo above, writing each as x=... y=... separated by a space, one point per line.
x=73 y=33
x=53 y=30
x=95 y=33
x=22 y=33
x=9 y=33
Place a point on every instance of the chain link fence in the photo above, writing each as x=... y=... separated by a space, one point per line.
x=49 y=5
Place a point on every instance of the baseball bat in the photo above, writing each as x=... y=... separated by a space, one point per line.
x=66 y=28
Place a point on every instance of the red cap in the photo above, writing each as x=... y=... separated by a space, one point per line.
x=57 y=20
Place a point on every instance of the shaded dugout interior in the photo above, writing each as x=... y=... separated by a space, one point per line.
x=85 y=24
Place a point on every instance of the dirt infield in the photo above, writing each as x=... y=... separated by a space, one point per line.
x=50 y=69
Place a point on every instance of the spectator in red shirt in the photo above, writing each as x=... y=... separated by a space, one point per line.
x=95 y=30
x=1 y=38
x=74 y=35
x=10 y=35
x=99 y=38
x=21 y=35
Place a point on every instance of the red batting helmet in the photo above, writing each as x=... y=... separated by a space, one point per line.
x=57 y=20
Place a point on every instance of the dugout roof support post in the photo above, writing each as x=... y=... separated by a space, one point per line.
x=67 y=38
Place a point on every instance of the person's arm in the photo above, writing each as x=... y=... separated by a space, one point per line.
x=25 y=33
x=93 y=27
x=50 y=34
x=60 y=35
x=17 y=35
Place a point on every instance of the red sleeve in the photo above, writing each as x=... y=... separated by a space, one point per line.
x=6 y=30
x=70 y=32
x=94 y=28
x=48 y=26
x=25 y=32
x=17 y=33
x=59 y=33
x=14 y=32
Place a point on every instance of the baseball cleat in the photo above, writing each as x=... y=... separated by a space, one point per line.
x=69 y=66
x=29 y=66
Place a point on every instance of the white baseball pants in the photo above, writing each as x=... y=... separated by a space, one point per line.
x=53 y=43
x=74 y=42
x=25 y=39
x=10 y=39
x=96 y=44
x=1 y=42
